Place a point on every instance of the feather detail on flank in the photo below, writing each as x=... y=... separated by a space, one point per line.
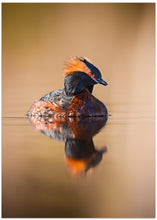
x=75 y=99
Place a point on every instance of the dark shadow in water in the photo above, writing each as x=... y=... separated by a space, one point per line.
x=77 y=133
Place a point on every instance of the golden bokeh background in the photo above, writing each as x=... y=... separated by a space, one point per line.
x=37 y=37
x=120 y=40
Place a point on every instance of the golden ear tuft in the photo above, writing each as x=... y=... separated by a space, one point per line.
x=75 y=64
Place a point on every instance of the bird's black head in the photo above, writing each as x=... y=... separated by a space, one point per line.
x=80 y=73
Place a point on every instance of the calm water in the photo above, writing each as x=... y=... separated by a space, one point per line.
x=80 y=169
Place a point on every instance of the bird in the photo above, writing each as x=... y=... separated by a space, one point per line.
x=75 y=99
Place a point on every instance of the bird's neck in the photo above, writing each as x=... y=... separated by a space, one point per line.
x=90 y=88
x=75 y=83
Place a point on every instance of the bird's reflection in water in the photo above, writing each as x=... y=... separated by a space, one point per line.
x=77 y=133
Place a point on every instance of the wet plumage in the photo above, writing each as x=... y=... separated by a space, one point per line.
x=76 y=98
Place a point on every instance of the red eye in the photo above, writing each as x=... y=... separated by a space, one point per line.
x=92 y=76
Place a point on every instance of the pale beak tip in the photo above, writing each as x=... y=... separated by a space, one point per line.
x=101 y=81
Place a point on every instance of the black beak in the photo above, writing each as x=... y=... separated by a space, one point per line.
x=101 y=81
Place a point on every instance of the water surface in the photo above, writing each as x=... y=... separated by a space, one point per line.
x=39 y=181
x=111 y=171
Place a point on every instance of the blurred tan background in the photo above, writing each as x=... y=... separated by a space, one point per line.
x=120 y=40
x=38 y=37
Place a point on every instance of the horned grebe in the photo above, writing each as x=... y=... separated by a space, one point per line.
x=76 y=98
